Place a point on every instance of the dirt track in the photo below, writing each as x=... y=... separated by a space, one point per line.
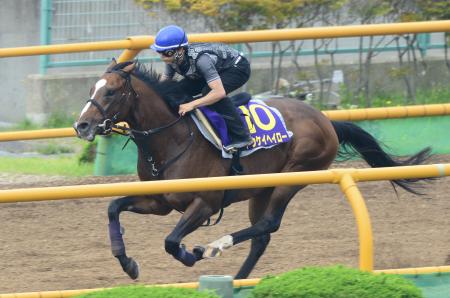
x=63 y=245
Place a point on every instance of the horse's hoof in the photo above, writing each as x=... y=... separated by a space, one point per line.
x=212 y=252
x=215 y=249
x=132 y=269
x=198 y=252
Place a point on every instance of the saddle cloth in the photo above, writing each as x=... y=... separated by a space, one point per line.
x=265 y=124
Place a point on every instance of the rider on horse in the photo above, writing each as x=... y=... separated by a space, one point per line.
x=212 y=69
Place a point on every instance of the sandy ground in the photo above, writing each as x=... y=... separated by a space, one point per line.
x=61 y=245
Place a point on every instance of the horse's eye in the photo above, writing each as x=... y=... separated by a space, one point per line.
x=109 y=93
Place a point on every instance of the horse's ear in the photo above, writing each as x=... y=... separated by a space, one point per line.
x=112 y=64
x=129 y=68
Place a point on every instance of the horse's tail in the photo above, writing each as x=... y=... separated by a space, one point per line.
x=356 y=141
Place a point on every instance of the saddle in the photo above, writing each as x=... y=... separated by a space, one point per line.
x=265 y=124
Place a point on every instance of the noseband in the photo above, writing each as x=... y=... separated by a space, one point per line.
x=108 y=124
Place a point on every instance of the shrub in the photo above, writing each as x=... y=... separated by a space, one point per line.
x=88 y=153
x=334 y=282
x=149 y=292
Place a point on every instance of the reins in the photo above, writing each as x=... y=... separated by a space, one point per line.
x=141 y=138
x=146 y=132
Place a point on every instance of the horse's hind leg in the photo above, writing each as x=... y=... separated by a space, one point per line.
x=139 y=204
x=194 y=216
x=257 y=249
x=256 y=209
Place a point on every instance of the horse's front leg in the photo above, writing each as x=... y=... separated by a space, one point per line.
x=138 y=204
x=195 y=215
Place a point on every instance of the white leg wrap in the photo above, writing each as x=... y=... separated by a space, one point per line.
x=215 y=249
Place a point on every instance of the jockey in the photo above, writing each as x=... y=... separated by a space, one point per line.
x=210 y=69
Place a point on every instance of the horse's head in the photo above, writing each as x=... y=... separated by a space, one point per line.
x=110 y=102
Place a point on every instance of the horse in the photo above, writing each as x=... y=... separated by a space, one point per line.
x=171 y=147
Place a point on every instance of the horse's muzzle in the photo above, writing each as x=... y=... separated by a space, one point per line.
x=85 y=131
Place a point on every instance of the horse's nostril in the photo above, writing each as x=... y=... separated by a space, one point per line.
x=82 y=126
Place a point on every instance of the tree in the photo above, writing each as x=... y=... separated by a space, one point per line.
x=296 y=14
x=367 y=12
x=417 y=10
x=437 y=10
x=227 y=15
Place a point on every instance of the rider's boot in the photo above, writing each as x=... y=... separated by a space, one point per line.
x=240 y=137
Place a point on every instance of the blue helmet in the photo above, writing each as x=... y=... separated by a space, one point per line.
x=169 y=38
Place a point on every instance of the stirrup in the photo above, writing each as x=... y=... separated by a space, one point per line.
x=233 y=147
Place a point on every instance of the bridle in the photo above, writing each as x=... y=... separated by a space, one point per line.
x=140 y=137
x=107 y=124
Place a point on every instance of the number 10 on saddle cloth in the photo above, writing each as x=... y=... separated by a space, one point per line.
x=265 y=124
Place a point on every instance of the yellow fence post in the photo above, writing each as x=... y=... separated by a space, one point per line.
x=348 y=186
x=128 y=55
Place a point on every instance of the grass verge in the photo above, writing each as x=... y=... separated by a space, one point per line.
x=149 y=292
x=59 y=166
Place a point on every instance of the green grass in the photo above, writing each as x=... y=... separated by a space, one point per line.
x=52 y=149
x=438 y=94
x=60 y=166
x=54 y=120
x=149 y=292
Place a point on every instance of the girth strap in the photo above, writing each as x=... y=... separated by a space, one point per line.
x=235 y=169
x=228 y=195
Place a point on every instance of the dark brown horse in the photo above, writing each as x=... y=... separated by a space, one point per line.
x=171 y=147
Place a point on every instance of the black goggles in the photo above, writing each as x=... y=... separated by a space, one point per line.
x=167 y=53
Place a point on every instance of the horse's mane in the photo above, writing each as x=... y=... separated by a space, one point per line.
x=169 y=90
